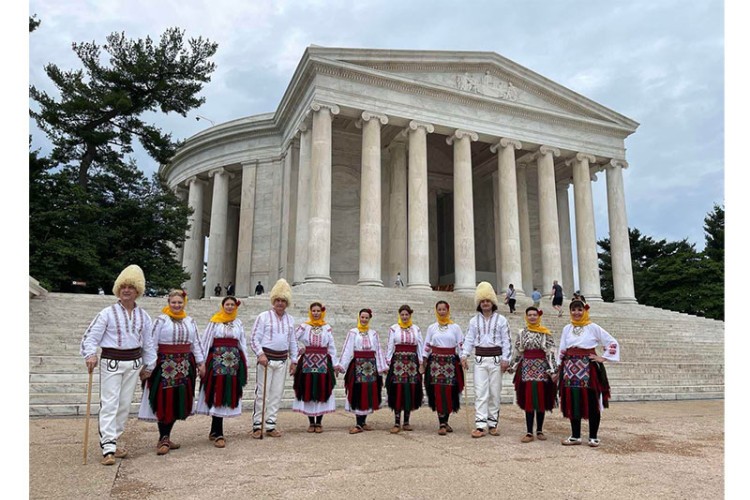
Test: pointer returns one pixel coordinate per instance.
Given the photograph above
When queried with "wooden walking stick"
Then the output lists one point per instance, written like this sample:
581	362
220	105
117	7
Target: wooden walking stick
88	414
263	412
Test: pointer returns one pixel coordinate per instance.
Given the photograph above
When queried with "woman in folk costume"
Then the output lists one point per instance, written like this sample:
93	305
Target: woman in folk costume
404	356
584	389
444	375
170	378
534	361
444	379
363	361
226	369
315	378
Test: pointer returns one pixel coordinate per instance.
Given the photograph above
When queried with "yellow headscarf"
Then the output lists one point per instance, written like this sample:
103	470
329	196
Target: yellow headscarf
537	326
223	317
444	320
404	325
180	315
316	322
584	319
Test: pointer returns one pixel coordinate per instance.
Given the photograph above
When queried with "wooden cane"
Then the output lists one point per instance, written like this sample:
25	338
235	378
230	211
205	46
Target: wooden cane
469	421
263	412
88	414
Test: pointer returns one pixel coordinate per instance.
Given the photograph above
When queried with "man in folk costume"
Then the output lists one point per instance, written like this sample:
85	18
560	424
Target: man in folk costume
488	337
123	332
273	342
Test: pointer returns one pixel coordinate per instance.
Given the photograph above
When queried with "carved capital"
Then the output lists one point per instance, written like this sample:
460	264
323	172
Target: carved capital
543	150
414	125
614	162
369	115
220	171
317	106
460	134
563	184
585	156
504	143
195	180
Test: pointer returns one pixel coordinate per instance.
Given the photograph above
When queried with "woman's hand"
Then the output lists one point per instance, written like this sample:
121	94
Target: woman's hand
145	374
292	368
202	370
594	357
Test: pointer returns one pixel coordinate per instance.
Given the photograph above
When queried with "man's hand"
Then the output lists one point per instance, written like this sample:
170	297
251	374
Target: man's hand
145	374
263	360
504	366
465	363
91	362
292	368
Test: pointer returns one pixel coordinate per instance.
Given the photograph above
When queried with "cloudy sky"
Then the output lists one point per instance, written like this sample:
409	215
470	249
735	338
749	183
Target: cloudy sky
659	63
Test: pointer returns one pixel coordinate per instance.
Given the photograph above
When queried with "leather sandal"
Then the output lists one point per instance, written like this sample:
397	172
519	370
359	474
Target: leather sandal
540	436
478	433
407	427
493	431
356	430
366	427
318	428
108	459
594	442
273	433
443	430
527	438
220	442
311	428
257	434
163	447
395	429
121	453
448	428
571	441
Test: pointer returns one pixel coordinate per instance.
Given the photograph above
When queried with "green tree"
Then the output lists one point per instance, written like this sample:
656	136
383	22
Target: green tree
713	225
672	274
98	114
33	23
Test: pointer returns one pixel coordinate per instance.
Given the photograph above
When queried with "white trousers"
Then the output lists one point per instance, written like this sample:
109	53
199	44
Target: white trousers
275	384
117	382
488	383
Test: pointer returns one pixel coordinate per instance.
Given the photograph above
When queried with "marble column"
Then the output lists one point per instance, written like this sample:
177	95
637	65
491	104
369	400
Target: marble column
179	250
419	239
192	258
588	261
244	286
370	213
510	234
524	230
319	236
619	239
398	254
433	227
230	250
496	229
303	204
463	211
217	235
286	180
566	242
548	226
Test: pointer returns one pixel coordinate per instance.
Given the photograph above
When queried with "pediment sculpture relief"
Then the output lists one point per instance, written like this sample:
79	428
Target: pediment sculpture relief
488	85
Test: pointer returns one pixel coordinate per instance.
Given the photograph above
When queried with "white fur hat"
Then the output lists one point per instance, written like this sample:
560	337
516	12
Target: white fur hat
131	275
282	290
485	292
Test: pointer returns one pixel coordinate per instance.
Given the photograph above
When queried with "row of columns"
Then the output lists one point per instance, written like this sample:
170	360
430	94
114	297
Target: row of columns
312	251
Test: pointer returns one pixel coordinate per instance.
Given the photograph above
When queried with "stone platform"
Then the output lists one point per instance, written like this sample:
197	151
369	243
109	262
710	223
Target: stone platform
665	355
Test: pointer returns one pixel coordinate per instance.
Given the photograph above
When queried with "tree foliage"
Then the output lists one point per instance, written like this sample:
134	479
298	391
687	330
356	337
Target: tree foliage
92	211
673	274
100	107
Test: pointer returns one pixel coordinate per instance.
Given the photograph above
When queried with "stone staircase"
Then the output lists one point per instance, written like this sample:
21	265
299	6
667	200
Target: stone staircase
665	355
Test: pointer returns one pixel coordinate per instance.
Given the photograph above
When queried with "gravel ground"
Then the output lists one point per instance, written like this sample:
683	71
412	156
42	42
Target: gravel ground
665	450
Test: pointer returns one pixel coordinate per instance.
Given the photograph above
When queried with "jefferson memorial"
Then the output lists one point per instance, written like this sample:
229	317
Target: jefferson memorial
446	167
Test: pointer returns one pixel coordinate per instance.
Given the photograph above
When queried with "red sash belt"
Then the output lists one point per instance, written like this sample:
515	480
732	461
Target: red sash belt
226	342
533	354
275	355
174	348
444	351
489	351
406	348
364	354
121	354
578	351
316	350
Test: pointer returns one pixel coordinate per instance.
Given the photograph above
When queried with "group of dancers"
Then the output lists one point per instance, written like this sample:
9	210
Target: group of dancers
168	355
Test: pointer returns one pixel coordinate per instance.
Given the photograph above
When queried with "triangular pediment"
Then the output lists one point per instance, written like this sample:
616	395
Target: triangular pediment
482	75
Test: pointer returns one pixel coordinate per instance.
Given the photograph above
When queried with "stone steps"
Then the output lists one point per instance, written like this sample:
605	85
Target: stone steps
666	355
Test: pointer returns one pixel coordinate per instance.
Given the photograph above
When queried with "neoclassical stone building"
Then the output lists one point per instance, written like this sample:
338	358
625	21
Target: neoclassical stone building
448	167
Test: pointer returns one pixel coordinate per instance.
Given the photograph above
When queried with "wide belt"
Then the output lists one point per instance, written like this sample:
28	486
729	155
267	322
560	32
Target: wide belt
316	350
406	348
275	355
174	348
443	351
489	351
533	354
121	354
226	342
579	351
364	354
